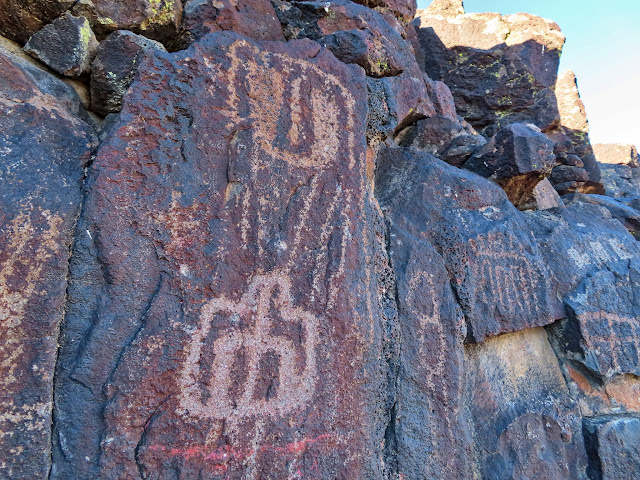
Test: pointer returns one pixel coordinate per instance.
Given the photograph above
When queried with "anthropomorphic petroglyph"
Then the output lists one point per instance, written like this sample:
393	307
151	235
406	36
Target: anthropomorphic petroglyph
249	334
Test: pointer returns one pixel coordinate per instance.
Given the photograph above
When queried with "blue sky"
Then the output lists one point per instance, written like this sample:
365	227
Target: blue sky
603	48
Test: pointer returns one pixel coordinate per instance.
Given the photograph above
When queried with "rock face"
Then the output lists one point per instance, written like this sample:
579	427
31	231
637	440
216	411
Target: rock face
237	276
572	142
617	154
67	45
114	68
308	240
253	18
19	19
517	158
501	69
44	147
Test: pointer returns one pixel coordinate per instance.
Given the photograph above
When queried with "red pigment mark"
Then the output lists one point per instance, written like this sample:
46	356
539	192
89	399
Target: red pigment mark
227	453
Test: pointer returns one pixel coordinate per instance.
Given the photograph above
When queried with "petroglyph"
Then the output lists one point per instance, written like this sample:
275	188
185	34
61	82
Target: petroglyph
600	250
276	106
249	336
506	271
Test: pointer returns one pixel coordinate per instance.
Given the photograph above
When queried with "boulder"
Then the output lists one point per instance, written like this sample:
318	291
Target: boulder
544	197
617	154
517	158
19	19
620	181
44	147
442	137
252	18
67	45
525	423
403	9
207	332
572	139
596	271
494	265
501	69
114	68
614	446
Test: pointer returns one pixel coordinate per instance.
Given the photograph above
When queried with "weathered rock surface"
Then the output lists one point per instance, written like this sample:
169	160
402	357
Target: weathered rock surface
67	45
442	137
404	9
544	197
517	158
207	334
596	270
524	420
44	147
615	447
501	69
252	18
572	140
617	154
628	216
114	68
494	265
620	181
19	19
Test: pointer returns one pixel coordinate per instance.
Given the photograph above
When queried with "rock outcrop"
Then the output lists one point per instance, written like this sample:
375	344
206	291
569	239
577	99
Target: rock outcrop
308	240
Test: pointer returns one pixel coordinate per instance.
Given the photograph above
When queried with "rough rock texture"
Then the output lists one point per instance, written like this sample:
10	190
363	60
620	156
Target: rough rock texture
494	265
44	147
67	45
615	448
253	18
517	158
617	154
596	271
572	140
442	137
114	68
501	69
525	423
227	360
263	272
19	19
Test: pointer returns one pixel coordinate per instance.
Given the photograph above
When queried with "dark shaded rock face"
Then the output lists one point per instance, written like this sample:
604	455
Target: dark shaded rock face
19	19
501	69
221	360
114	68
614	448
44	147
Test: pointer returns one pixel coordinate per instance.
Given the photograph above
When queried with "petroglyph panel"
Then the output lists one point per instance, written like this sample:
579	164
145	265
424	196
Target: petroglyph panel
239	182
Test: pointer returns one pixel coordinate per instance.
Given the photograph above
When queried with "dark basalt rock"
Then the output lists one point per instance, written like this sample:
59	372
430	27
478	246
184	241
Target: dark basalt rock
517	158
596	270
494	265
625	214
114	68
207	332
252	18
403	9
67	45
501	69
614	445
620	181
44	148
19	19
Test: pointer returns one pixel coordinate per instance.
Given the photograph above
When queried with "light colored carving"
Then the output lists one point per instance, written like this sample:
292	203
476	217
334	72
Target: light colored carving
266	294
